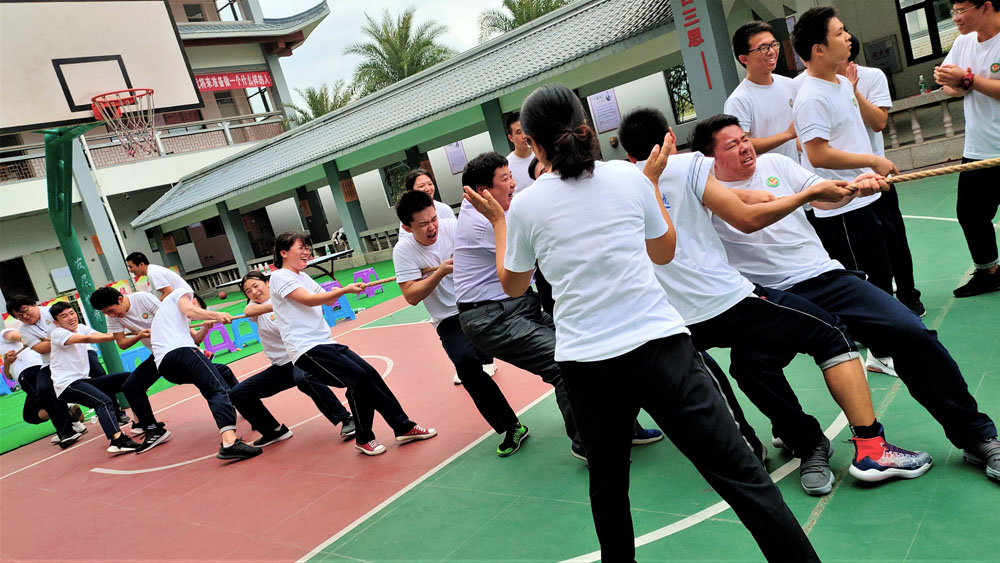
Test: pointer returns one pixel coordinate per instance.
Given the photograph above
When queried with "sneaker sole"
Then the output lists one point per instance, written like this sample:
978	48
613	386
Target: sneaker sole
874	475
517	446
405	439
157	442
348	435
980	462
117	450
369	452
644	441
578	456
237	457
257	443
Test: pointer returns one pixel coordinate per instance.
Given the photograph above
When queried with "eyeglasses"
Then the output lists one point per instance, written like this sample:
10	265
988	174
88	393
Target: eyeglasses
960	11
763	49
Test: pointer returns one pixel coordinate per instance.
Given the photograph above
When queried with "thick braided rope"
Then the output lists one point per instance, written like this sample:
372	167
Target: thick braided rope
423	271
969	166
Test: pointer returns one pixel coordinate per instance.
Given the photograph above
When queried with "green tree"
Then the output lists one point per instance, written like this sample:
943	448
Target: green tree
320	101
397	48
514	13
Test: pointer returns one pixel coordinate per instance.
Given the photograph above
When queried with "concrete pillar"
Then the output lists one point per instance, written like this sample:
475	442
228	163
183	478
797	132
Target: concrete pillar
255	13
167	258
236	232
103	236
312	215
280	92
706	49
495	125
348	206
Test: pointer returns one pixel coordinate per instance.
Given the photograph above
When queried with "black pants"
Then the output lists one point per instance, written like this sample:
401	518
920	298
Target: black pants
145	375
888	328
856	240
99	393
468	361
668	379
46	394
544	292
189	365
765	332
337	365
275	379
894	232
27	379
978	201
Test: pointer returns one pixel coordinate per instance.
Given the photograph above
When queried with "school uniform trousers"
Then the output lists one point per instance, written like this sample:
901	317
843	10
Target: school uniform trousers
189	365
275	379
98	393
145	375
32	402
977	205
856	239
56	407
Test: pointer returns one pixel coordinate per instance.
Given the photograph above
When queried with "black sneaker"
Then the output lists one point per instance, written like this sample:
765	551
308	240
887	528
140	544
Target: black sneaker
266	439
348	428
123	419
67	441
512	442
238	451
122	444
914	304
154	437
982	281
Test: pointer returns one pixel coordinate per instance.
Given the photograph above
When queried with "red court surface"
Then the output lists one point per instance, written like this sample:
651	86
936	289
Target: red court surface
178	502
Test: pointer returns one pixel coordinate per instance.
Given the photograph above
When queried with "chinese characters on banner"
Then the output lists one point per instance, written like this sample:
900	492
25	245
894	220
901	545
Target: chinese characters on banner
694	38
233	80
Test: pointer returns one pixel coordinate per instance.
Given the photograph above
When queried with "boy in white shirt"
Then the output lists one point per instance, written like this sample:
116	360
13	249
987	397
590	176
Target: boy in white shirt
519	160
22	364
70	367
431	244
972	70
163	280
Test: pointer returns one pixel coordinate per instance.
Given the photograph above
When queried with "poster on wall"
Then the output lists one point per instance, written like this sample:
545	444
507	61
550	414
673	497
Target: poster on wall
456	157
604	108
883	54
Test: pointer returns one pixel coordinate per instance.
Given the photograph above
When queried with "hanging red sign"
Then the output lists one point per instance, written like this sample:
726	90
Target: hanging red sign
233	80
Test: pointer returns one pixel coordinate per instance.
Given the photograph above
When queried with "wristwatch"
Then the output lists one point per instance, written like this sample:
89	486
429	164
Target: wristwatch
967	81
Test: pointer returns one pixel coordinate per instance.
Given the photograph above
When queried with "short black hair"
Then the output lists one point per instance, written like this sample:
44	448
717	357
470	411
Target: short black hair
137	258
410	204
15	303
104	297
251	275
479	171
641	130
741	39
703	137
979	3
412	175
284	241
811	29
855	48
58	307
200	301
511	120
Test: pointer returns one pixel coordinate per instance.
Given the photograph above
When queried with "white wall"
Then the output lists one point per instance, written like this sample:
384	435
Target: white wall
221	56
450	185
284	216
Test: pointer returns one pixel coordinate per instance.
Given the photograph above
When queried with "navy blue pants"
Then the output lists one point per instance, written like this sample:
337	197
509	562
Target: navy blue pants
144	376
275	379
56	407
98	393
888	328
189	365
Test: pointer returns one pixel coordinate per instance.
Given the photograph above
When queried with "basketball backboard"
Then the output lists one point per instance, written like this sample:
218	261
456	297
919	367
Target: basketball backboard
55	56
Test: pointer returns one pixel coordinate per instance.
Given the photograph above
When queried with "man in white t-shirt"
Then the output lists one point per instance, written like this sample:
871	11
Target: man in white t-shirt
763	101
431	245
972	70
789	256
163	280
830	127
519	160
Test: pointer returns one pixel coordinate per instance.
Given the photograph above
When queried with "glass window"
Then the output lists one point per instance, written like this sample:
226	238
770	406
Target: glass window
680	94
181	236
213	227
227	105
194	13
928	31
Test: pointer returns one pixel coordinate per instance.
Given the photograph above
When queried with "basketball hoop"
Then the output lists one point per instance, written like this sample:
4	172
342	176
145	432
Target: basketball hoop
129	113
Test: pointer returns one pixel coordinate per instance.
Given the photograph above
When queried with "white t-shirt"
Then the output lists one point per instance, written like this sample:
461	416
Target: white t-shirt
699	281
409	256
475	259
171	329
589	237
25	359
519	168
982	113
33	334
270	337
302	327
874	86
160	277
444	213
824	110
764	111
70	362
142	309
788	251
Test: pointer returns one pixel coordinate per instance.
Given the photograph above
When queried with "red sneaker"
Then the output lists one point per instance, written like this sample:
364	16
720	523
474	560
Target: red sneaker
370	448
416	433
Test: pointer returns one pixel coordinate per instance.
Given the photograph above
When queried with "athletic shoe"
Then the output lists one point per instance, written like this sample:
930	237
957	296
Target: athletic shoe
913	304
880	365
578	453
348	428
456	380
122	444
76	412
55	438
137	428
80	427
877	460
67	441
154	437
371	447
814	472
238	451
986	453
490	369
417	433
982	281
645	436
777	442
123	419
512	442
268	438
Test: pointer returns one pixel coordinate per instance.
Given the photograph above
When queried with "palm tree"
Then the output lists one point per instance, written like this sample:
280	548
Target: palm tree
397	49
320	101
514	13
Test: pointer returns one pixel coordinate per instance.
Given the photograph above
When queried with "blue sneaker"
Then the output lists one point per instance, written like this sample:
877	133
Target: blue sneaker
877	460
645	436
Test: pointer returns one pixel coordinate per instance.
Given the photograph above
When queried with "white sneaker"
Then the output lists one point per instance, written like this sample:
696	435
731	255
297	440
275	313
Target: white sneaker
778	442
880	365
490	369
80	427
456	380
55	439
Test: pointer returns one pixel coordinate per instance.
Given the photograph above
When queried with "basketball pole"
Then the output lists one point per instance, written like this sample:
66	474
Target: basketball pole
59	179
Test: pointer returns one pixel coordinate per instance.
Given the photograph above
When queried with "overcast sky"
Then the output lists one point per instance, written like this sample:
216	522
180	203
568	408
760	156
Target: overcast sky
320	59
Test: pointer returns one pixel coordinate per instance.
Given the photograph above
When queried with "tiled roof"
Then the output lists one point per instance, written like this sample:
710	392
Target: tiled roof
270	26
555	42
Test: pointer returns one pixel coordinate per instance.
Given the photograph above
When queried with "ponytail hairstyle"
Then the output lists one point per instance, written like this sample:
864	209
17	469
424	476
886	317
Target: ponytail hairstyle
285	242
251	275
554	119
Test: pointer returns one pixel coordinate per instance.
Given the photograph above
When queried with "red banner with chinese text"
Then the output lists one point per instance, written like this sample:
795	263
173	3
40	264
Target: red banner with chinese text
233	80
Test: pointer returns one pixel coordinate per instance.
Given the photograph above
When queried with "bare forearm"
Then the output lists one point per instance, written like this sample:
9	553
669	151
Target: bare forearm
416	291
125	342
874	117
500	238
988	86
835	159
256	310
765	144
93	338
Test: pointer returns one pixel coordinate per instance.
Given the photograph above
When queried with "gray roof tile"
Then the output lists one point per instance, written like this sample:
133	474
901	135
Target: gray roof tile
270	26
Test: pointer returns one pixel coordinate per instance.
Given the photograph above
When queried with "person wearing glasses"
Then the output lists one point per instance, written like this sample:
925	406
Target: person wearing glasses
763	101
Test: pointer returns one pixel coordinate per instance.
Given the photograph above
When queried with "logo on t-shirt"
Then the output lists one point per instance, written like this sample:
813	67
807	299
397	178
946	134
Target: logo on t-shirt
854	101
145	315
273	318
790	102
995	67
666	204
773	182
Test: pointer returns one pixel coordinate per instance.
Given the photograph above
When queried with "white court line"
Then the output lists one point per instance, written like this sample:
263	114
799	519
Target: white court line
831	432
413	484
949	219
